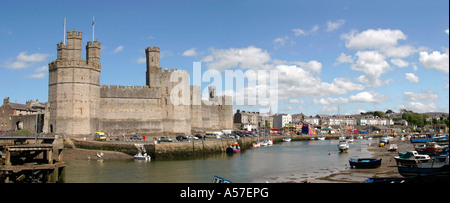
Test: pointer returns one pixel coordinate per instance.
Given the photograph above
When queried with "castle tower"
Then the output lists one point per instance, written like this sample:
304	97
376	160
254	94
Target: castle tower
74	88
153	68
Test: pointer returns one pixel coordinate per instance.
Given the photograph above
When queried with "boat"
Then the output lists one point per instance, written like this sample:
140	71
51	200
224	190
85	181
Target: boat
343	145
364	163
432	138
431	148
369	138
350	139
218	179
321	138
411	158
233	148
408	171
269	142
286	139
255	145
393	148
140	156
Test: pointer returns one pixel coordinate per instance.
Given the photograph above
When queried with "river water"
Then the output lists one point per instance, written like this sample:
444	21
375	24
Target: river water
288	161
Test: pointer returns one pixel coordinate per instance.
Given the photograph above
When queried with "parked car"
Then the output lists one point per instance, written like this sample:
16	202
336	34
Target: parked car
192	137
136	137
164	139
181	137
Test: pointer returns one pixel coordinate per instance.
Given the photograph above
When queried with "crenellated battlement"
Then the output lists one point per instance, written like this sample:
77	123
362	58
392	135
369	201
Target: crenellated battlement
72	64
74	34
152	49
129	91
94	44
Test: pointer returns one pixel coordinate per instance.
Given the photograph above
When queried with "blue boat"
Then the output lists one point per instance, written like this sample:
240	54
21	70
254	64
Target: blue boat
365	163
233	148
433	138
218	179
442	172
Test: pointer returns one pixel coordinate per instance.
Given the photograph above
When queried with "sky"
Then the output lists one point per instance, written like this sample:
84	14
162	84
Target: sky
329	56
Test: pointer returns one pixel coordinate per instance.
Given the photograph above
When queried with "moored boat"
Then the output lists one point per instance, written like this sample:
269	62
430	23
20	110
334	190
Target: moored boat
234	148
286	139
393	148
411	158
140	156
343	146
365	163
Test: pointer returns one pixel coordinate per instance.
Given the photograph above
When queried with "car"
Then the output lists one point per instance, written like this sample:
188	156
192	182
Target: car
99	136
136	137
164	139
181	137
192	137
199	136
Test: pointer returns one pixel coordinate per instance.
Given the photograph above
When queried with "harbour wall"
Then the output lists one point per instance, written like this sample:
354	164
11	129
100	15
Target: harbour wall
185	149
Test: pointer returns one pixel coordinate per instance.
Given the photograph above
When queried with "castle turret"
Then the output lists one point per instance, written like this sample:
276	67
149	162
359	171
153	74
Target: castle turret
93	50
153	68
74	88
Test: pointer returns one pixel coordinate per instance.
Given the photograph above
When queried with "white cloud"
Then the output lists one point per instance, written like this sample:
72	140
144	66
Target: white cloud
328	109
329	100
37	75
399	63
280	41
411	77
118	49
190	52
435	60
244	58
419	107
300	32
369	97
295	101
446	31
373	65
343	58
373	39
334	25
26	61
426	95
398	51
141	60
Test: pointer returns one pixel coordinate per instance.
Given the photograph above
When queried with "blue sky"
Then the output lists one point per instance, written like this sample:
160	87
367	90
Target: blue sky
358	55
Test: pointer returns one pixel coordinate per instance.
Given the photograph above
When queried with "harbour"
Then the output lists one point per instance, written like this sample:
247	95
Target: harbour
296	161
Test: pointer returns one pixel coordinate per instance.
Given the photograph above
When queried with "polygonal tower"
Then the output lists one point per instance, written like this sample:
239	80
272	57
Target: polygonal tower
153	68
74	88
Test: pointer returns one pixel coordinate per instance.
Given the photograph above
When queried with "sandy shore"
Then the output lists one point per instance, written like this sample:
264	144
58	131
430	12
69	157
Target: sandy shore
85	154
387	169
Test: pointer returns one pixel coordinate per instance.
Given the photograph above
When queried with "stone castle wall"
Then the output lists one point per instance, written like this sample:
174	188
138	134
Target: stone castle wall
79	106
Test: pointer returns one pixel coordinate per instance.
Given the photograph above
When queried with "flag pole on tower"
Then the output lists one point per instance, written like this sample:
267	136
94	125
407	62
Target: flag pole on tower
93	25
64	40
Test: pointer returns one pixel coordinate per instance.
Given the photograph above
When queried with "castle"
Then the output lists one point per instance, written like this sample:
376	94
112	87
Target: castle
79	106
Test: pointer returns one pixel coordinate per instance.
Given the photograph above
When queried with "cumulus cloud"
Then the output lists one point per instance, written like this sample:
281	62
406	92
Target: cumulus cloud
411	77
243	58
25	61
426	95
373	39
369	97
373	65
399	63
435	60
343	58
190	52
419	107
301	32
334	25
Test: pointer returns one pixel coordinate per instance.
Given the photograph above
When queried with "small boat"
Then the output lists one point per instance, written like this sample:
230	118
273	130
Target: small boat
393	148
218	179
411	158
286	139
233	148
365	163
255	145
269	142
321	138
343	145
369	138
408	171
350	139
311	138
140	156
431	148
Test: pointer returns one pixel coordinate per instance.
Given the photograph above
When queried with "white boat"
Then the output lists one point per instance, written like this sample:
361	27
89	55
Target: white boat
350	140
343	145
263	143
311	138
144	156
321	138
411	158
269	142
286	139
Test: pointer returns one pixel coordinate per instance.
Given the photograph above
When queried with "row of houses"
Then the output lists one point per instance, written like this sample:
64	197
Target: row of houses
256	120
